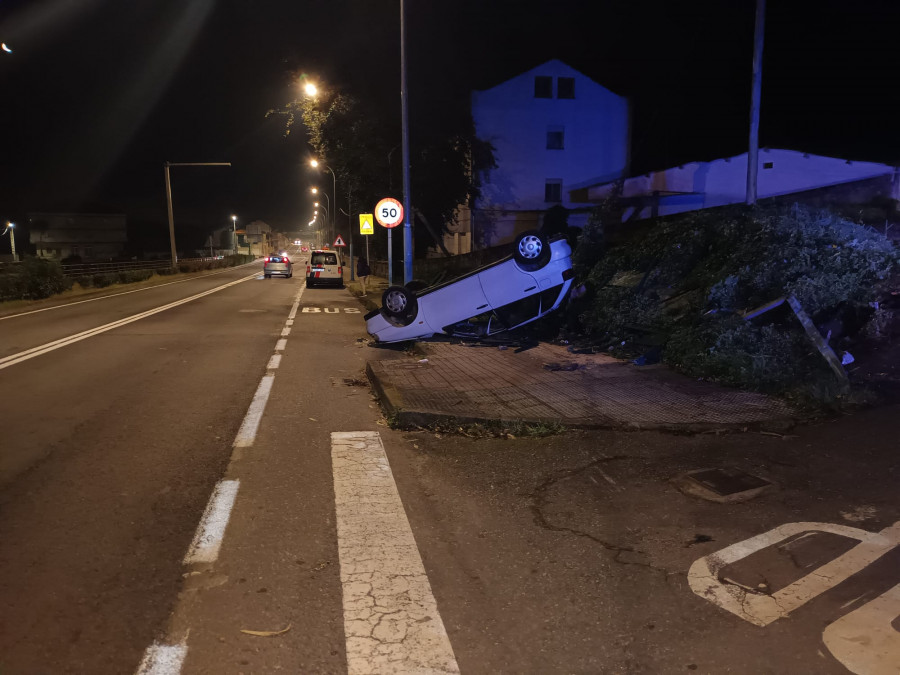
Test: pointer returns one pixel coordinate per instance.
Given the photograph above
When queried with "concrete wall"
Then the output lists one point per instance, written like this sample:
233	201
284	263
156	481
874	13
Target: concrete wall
700	185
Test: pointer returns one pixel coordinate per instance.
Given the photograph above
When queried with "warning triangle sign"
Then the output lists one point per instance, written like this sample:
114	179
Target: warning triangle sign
339	241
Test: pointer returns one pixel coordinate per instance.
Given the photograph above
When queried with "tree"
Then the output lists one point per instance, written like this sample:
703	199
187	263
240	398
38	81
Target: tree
362	146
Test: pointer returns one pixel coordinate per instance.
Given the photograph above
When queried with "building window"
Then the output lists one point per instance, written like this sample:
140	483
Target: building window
543	87
556	138
768	165
565	87
553	190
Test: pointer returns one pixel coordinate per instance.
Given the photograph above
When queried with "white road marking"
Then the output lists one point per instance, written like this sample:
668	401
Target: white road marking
391	620
280	345
289	322
13	359
274	362
285	331
113	295
864	640
760	609
247	433
162	659
211	530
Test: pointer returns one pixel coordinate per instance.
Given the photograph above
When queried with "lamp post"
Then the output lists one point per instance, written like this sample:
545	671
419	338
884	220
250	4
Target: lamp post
11	228
317	192
234	235
315	163
169	200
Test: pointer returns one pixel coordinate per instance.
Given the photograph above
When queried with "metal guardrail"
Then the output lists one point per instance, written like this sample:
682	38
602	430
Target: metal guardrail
81	269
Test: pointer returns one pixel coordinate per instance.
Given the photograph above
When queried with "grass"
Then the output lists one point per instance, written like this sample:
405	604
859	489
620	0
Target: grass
490	429
77	292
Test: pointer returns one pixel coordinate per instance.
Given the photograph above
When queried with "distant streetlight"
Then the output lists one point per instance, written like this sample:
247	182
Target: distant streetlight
234	235
310	89
11	228
315	163
169	199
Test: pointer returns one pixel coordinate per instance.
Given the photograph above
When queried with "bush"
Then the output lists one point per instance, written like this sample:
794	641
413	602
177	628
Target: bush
691	276
33	279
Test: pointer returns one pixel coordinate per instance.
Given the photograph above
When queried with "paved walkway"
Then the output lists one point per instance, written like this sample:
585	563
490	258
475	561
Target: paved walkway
549	384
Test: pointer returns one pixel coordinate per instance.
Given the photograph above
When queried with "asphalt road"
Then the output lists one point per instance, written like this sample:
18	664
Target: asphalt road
569	554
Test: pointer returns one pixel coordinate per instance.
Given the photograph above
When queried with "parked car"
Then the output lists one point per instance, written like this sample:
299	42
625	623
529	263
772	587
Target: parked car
324	269
279	264
506	294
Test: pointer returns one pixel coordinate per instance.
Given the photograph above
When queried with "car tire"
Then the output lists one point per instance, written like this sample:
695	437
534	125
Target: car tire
532	250
267	276
400	304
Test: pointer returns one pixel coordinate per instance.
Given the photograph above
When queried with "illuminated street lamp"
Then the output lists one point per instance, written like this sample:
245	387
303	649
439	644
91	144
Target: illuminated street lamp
315	163
234	235
310	89
11	228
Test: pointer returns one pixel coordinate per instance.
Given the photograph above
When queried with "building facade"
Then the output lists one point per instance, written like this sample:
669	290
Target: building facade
78	236
553	130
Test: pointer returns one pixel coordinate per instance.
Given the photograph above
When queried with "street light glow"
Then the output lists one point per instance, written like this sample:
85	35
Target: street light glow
310	89
314	163
315	190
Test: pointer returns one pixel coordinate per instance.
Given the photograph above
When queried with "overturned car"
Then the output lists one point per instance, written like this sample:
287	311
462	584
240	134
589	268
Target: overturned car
509	293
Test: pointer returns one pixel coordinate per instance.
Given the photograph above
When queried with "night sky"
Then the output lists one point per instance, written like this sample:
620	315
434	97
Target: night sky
98	94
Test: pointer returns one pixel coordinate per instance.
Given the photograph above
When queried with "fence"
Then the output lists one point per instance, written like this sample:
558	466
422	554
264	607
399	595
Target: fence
84	269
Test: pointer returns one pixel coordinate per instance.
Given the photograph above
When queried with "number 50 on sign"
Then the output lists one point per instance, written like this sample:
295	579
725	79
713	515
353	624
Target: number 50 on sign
389	212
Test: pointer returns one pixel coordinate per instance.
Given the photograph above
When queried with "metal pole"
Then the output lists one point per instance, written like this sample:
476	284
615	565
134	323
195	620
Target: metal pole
755	96
390	259
350	230
169	197
12	241
407	201
171	216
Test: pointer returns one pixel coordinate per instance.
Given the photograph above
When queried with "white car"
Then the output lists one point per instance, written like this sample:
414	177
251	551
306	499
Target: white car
506	294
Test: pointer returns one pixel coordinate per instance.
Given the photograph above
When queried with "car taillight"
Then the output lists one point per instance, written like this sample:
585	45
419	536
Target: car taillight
340	271
568	274
286	259
267	259
307	269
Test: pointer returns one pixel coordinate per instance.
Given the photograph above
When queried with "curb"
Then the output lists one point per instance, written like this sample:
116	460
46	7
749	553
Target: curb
394	407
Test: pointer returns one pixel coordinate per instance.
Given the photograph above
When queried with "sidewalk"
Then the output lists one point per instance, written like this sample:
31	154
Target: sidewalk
548	384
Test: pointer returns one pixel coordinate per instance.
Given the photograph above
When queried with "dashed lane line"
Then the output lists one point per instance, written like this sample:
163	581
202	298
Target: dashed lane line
391	620
13	359
211	531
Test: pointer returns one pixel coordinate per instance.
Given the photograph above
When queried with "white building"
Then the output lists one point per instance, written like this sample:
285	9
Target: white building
553	129
702	185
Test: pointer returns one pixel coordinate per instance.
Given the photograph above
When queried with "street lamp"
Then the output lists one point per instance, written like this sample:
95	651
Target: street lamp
315	163
234	235
310	89
11	228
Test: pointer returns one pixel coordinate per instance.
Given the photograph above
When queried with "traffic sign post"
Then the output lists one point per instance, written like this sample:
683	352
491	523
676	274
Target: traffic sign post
389	214
366	228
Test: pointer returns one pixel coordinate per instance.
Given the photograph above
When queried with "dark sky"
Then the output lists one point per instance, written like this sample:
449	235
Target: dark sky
98	94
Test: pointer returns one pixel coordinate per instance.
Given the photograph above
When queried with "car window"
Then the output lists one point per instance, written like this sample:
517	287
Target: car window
324	259
275	258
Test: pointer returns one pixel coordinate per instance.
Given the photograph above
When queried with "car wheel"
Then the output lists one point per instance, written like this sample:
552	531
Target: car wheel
532	250
400	304
267	276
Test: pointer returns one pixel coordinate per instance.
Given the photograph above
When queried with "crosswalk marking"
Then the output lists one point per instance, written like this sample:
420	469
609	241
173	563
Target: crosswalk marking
391	620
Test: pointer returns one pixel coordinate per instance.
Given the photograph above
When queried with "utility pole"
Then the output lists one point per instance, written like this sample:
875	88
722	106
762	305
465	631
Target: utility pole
169	200
407	201
755	96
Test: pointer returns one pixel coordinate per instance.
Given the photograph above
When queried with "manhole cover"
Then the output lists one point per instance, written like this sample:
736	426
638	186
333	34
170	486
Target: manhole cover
722	485
726	482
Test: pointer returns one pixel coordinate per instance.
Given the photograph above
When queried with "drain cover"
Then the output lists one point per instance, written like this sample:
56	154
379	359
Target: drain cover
722	485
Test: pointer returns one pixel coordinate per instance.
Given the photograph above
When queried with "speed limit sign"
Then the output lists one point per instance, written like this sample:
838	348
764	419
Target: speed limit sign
389	212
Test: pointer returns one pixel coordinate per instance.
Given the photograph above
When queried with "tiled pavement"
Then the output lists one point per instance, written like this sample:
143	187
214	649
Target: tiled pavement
549	384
